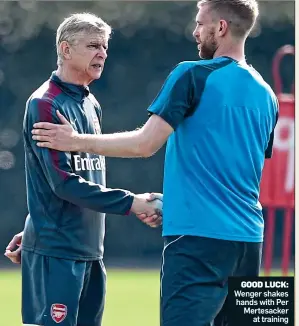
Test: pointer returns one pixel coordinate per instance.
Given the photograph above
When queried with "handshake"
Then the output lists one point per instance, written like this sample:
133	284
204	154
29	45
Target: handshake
148	208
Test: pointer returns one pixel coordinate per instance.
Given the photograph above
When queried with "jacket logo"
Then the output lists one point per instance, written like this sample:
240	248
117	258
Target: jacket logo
90	164
58	312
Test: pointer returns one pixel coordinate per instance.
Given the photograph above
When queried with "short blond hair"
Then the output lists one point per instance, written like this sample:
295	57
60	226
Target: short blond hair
75	24
240	14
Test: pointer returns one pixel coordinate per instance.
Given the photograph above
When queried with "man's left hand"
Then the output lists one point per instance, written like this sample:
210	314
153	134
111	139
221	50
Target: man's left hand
13	253
55	136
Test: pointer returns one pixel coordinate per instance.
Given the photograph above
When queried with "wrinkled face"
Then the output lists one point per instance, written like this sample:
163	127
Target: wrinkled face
88	55
204	33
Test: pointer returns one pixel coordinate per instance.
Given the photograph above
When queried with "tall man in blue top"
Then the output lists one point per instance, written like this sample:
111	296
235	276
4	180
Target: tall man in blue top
218	117
63	276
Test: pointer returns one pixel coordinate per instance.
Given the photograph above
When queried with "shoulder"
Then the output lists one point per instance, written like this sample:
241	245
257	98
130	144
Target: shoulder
201	67
181	73
47	93
43	103
267	89
183	68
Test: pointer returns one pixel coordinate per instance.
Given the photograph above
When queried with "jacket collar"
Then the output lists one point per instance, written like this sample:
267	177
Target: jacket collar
77	92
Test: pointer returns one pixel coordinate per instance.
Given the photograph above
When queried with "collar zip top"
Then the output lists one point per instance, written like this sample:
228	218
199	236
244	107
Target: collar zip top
77	92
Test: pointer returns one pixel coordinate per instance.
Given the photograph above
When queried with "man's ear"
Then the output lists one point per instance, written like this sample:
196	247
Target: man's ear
222	27
65	50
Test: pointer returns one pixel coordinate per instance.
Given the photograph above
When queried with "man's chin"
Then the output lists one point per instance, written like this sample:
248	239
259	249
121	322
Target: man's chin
205	56
97	75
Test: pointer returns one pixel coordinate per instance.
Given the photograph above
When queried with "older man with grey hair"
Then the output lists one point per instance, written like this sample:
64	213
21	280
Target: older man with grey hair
63	275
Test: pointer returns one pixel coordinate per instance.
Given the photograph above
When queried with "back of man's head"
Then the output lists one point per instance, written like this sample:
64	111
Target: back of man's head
240	15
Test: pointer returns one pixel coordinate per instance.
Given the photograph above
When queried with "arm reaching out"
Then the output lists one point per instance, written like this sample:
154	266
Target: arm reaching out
175	102
142	142
147	211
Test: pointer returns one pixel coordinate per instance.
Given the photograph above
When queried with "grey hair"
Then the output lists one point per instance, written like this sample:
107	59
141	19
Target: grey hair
76	24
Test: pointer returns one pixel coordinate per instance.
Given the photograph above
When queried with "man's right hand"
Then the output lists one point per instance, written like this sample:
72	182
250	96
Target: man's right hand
13	250
149	212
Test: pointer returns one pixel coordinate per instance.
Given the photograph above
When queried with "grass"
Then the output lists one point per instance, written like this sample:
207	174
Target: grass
132	298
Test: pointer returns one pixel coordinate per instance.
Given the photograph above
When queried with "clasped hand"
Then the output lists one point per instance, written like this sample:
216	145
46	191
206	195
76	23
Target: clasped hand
148	208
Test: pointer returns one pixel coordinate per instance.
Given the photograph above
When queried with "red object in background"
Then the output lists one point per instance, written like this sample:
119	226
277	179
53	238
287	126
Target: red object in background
278	180
277	186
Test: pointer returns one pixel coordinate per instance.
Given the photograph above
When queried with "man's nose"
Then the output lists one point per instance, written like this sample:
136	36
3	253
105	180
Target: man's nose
195	33
102	53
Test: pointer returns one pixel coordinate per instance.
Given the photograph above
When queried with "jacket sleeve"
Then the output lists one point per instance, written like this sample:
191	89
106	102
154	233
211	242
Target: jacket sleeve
58	171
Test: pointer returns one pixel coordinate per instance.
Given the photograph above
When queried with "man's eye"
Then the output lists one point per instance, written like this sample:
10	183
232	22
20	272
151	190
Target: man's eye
97	46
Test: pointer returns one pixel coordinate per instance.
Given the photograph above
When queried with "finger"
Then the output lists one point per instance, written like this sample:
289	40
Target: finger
158	212
14	256
15	240
155	224
44	125
158	221
155	195
141	216
41	138
11	245
16	260
45	144
151	197
9	255
16	253
62	118
43	132
150	219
